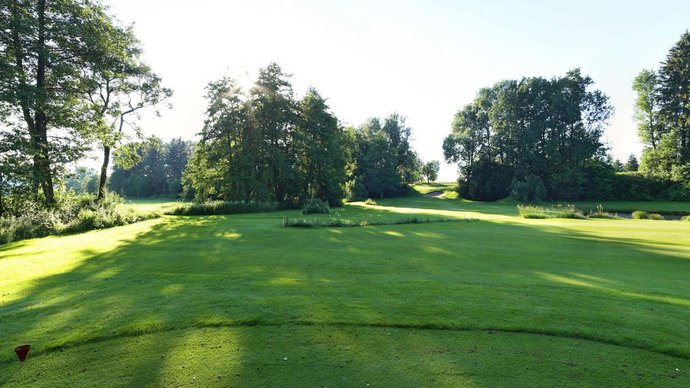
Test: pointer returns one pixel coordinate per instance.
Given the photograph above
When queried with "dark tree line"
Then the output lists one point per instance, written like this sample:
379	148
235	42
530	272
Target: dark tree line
265	145
150	168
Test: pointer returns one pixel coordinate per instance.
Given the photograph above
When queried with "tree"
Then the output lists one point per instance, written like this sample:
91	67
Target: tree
118	86
430	170
533	131
647	108
666	99
83	180
632	164
383	162
321	154
263	145
45	48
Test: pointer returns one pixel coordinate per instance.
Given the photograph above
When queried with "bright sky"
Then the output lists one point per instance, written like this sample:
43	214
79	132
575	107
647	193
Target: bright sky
423	59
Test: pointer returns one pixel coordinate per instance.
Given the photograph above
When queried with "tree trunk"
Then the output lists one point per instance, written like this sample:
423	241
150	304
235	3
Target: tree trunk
104	173
2	205
41	119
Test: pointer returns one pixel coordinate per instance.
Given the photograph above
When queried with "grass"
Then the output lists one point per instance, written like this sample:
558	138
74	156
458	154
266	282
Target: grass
238	300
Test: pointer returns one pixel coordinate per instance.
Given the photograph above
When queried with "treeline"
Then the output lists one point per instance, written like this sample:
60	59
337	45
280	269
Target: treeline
540	139
266	145
150	168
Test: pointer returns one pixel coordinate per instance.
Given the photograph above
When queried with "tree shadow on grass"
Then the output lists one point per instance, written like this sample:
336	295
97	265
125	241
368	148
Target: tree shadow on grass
247	271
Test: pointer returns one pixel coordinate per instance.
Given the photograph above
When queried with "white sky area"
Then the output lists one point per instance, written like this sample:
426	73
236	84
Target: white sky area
423	59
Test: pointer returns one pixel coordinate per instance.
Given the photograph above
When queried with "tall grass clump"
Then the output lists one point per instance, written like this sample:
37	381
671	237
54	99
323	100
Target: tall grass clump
541	212
221	207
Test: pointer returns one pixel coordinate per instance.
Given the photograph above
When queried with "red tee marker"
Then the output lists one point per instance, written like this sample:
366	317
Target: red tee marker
22	352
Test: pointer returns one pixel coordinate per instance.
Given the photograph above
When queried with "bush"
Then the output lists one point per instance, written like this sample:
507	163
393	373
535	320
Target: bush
73	213
316	206
370	202
640	215
221	207
678	192
643	215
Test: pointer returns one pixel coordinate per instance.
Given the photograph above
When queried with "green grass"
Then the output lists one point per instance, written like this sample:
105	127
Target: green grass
146	205
223	300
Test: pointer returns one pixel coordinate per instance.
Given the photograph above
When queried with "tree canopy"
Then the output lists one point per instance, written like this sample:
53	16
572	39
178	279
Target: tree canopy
543	133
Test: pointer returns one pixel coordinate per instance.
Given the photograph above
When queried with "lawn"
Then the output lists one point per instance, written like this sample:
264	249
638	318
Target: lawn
242	301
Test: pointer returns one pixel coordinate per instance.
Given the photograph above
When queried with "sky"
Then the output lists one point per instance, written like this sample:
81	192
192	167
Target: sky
423	59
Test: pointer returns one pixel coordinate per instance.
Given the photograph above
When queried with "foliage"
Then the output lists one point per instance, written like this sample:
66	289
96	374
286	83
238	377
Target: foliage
663	115
550	129
262	145
83	180
315	206
643	215
383	162
558	211
49	54
150	168
73	214
430	170
632	165
341	223
370	202
221	208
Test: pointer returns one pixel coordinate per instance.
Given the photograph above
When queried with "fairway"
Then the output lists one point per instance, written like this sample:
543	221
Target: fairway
490	300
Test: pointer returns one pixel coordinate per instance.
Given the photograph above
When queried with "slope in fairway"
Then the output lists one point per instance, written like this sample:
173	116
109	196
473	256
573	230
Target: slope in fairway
487	302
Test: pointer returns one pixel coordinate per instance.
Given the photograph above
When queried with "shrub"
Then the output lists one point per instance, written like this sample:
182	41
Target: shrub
371	202
221	207
640	215
73	213
600	213
316	206
643	215
678	192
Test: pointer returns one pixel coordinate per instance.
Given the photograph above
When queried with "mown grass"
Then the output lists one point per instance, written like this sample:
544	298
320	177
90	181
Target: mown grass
500	301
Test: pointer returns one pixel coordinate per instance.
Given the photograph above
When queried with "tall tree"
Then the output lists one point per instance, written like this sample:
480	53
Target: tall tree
668	95
321	157
647	108
118	86
45	45
632	164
